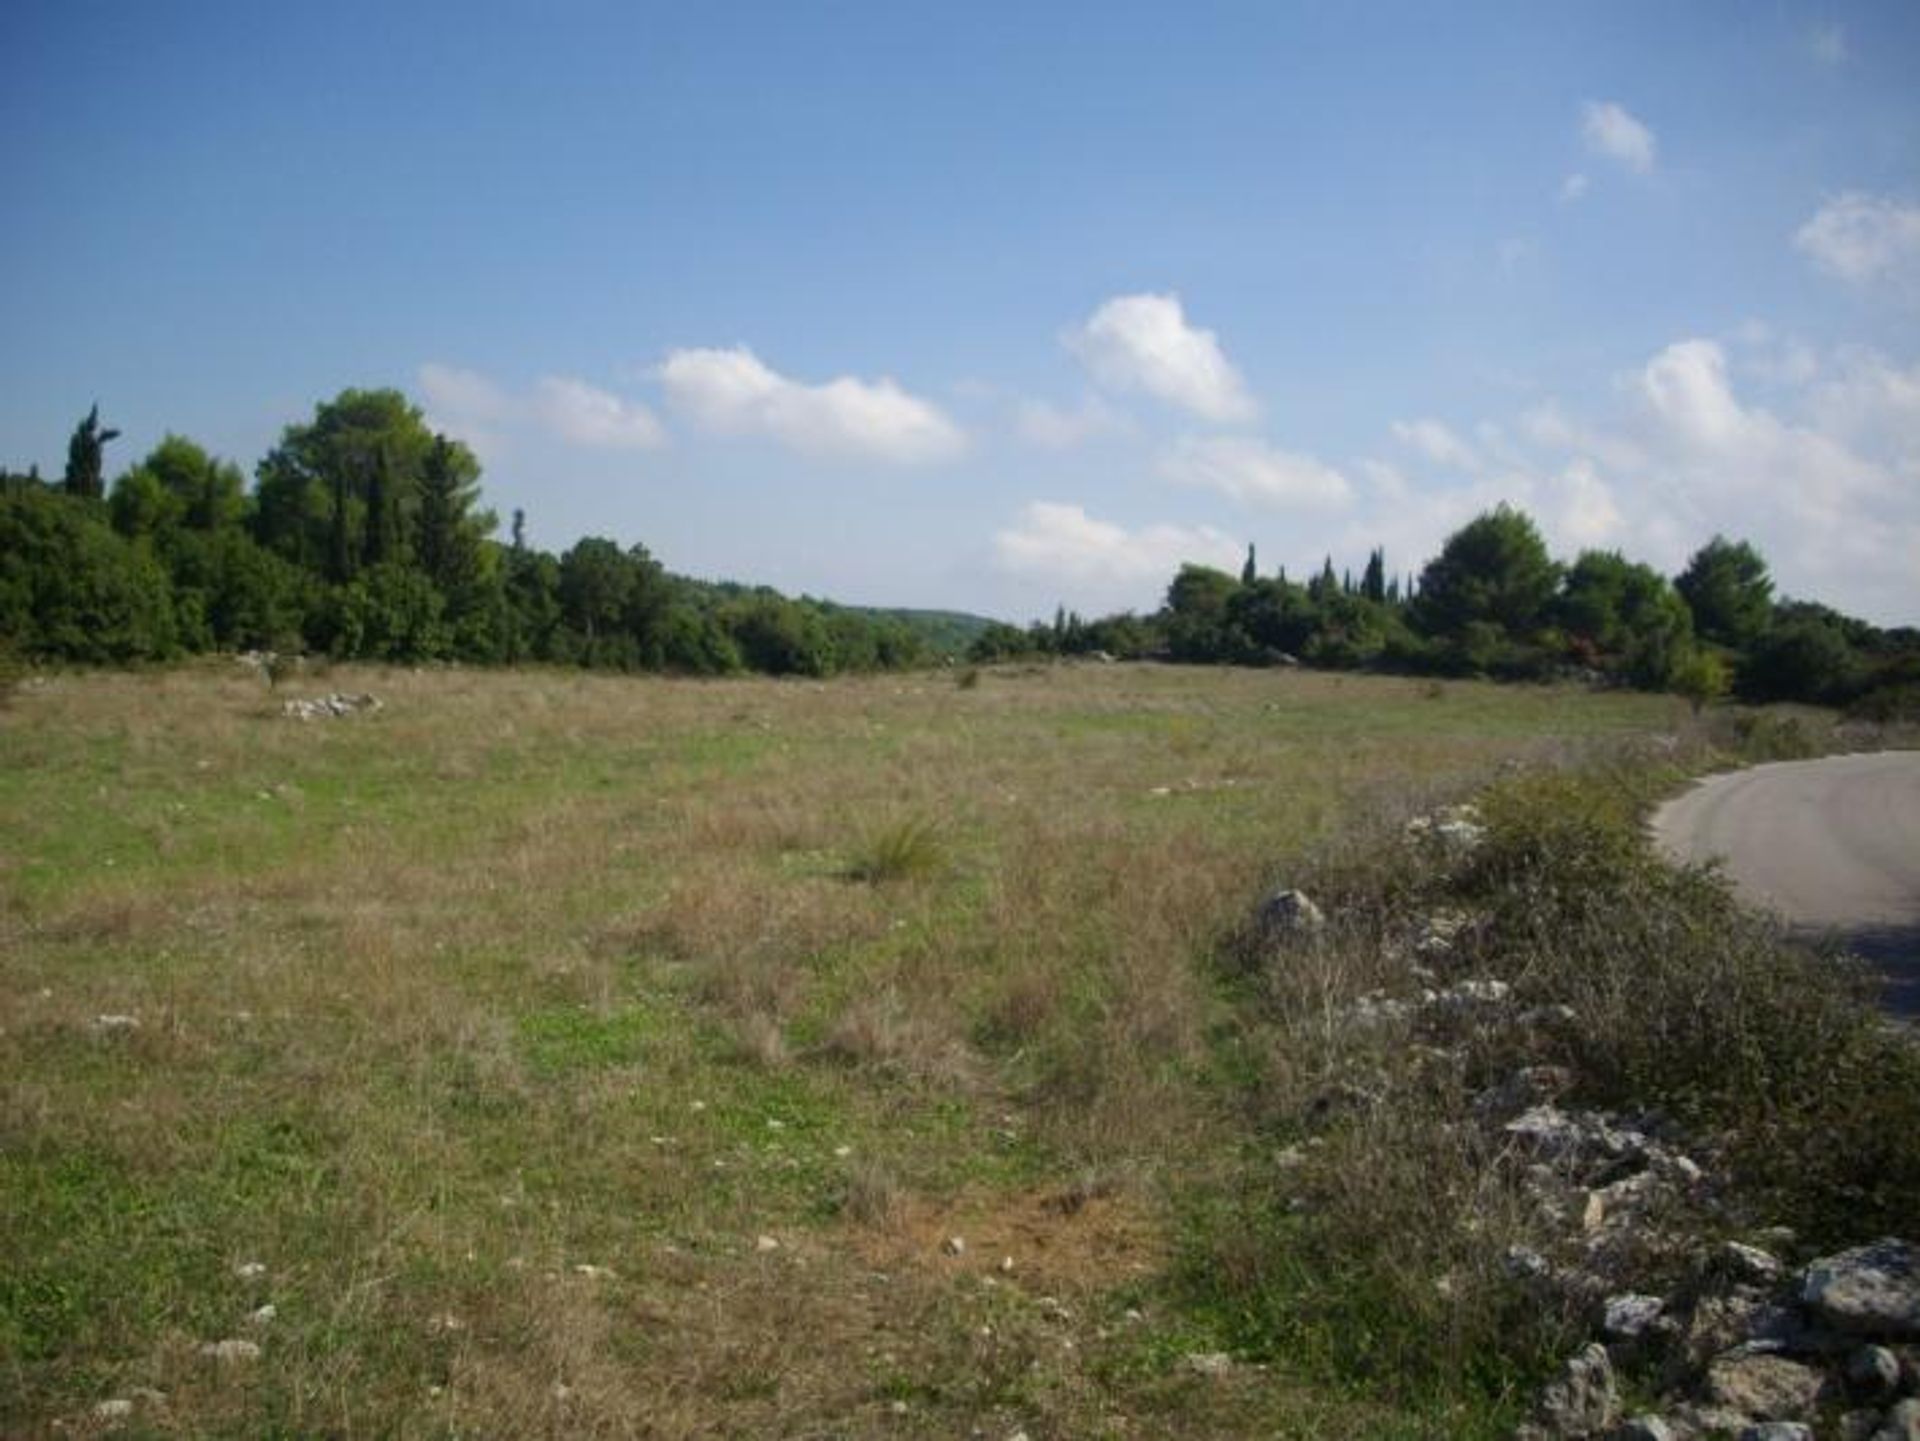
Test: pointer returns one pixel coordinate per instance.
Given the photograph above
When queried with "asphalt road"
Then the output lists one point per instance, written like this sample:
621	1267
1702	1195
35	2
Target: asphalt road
1832	845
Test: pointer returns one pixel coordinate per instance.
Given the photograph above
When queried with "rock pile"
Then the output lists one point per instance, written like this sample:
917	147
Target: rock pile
338	704
1754	1350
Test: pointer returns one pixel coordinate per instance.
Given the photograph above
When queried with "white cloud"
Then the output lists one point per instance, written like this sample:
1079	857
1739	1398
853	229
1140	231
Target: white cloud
1144	343
1826	482
462	392
497	421
1059	542
1612	132
1865	239
585	415
1251	471
1828	44
468	406
1574	187
1872	404
1433	440
733	391
1584	513
1053	428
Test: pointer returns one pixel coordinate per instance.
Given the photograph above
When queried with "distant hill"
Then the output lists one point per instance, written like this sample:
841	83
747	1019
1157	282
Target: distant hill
950	632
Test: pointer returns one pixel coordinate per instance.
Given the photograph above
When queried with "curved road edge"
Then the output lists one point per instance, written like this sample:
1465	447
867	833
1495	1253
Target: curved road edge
1830	845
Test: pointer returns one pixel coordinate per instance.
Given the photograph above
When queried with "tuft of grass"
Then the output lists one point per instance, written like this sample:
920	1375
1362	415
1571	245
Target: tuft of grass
905	850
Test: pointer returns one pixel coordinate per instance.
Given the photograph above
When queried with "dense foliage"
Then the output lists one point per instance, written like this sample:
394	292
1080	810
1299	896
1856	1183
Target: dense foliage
363	537
1495	603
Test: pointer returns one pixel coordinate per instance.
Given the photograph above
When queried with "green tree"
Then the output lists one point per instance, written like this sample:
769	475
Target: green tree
311	501
1493	571
1373	584
1626	618
1803	657
71	588
1197	621
594	586
86	474
1727	588
450	529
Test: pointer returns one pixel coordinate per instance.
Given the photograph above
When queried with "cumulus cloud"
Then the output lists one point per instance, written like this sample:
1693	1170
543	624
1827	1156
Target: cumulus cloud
1433	440
1052	541
1865	240
1611	131
1574	187
1144	343
585	415
1052	427
732	391
1252	472
465	393
496	421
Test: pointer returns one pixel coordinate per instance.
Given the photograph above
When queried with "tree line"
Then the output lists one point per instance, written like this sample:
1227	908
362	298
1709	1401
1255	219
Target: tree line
363	537
1495	603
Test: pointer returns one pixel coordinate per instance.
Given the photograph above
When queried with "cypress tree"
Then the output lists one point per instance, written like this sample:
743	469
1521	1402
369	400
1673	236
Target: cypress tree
1249	572
85	475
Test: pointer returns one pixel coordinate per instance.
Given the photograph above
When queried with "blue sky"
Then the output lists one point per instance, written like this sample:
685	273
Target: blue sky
996	306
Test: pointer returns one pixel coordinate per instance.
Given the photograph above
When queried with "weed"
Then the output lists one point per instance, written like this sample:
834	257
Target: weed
905	850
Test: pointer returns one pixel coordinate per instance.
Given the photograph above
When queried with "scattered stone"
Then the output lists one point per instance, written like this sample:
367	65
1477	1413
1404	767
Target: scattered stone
1776	1431
1473	994
329	706
1289	913
263	1315
249	1270
1208	1363
1452	828
1698	1420
1872	1290
954	1246
1873	1373
1748	1263
1769	1388
112	1022
765	1244
1628	1315
1527	1087
1440	931
1584	1398
114	1408
594	1273
1642	1428
231	1352
1902	1423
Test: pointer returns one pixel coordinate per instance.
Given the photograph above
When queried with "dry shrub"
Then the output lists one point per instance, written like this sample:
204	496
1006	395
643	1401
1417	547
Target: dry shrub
916	1038
872	1195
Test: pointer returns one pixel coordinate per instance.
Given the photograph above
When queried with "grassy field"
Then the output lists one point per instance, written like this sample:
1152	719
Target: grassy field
585	1056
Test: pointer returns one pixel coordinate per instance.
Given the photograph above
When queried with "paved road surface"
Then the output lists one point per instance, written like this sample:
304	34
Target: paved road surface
1832	845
